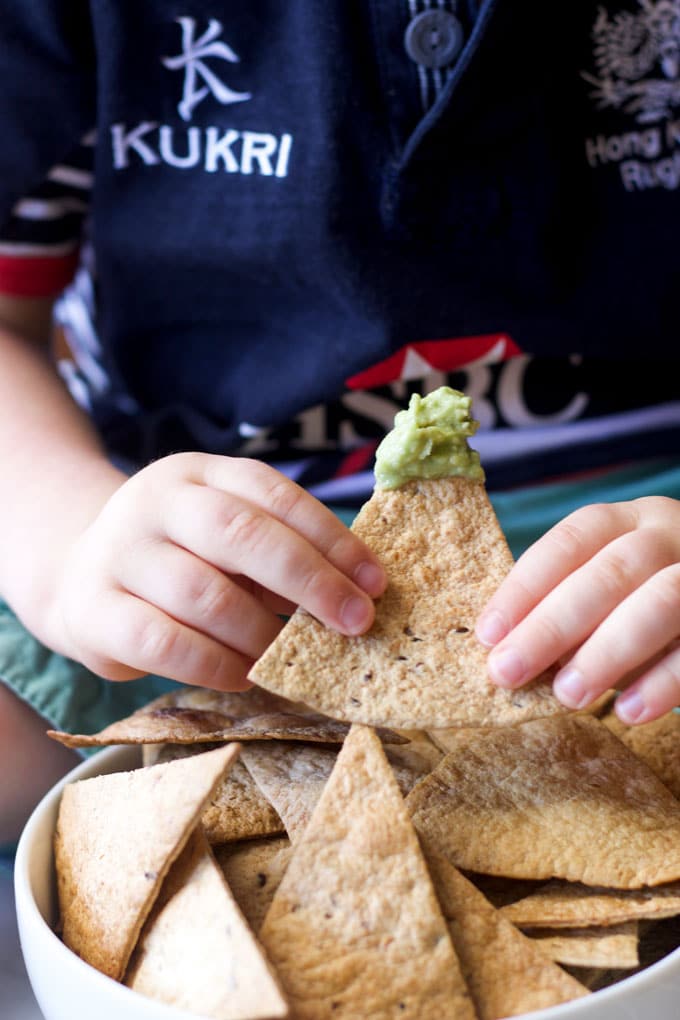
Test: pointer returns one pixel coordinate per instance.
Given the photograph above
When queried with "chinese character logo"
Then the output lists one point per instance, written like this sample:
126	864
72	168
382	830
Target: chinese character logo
630	51
199	79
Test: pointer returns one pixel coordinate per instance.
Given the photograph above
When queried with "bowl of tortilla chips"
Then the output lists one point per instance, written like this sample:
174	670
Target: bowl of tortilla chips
63	984
342	900
373	830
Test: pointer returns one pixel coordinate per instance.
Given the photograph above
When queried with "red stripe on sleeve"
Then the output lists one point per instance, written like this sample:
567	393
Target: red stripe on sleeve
36	276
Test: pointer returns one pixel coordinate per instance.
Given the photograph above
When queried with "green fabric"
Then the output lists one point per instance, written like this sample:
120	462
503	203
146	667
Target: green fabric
526	514
66	694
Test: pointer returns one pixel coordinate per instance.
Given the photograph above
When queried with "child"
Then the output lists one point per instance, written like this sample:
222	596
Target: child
269	224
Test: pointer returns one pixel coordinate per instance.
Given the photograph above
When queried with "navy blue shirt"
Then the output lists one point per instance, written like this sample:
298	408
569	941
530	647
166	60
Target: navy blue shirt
289	216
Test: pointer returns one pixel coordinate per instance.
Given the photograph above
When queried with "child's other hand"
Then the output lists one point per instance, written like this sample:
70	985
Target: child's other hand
186	569
600	594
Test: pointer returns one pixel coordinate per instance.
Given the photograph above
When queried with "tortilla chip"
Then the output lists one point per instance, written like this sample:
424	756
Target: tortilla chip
196	715
561	905
292	778
253	871
448	739
615	946
237	810
552	798
657	743
420	665
506	974
115	840
196	951
421	754
355	929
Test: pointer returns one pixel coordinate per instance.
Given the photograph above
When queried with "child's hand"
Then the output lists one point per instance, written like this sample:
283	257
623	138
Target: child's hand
600	594
186	568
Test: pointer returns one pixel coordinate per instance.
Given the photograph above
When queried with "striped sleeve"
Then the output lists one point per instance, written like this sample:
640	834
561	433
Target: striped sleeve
40	240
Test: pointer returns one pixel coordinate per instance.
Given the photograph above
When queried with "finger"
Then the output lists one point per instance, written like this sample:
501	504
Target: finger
635	632
198	595
577	606
270	600
238	537
656	692
126	631
551	559
290	504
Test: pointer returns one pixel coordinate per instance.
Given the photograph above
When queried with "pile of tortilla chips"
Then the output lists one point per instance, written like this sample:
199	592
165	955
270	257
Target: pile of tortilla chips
442	849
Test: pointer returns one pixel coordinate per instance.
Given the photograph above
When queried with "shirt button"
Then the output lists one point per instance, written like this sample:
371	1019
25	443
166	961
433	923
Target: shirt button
434	38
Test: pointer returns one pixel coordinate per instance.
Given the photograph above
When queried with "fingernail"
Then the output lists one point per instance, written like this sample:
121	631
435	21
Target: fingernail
370	577
491	628
507	668
355	615
630	706
570	689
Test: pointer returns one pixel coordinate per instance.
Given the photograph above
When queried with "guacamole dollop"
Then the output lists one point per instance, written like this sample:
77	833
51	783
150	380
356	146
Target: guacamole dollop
429	440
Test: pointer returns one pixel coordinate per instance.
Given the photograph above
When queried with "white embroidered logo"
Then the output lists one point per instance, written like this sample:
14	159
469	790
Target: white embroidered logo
637	58
629	49
217	148
192	59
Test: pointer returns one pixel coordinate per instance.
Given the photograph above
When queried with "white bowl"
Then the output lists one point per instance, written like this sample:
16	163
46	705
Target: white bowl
67	988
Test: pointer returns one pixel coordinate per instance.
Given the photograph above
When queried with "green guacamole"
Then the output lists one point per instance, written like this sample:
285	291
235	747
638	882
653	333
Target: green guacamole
429	440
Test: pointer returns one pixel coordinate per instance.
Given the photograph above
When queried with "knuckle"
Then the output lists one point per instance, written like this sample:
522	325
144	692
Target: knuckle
283	497
186	462
666	586
217	669
244	529
214	598
614	573
256	471
655	506
568	536
318	593
345	547
664	679
156	641
549	631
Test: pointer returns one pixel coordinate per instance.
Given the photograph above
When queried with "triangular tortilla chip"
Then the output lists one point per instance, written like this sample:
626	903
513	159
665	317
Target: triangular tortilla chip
236	810
657	743
420	665
115	839
506	974
552	798
421	753
355	929
253	871
615	946
571	905
193	715
196	951
292	777
449	739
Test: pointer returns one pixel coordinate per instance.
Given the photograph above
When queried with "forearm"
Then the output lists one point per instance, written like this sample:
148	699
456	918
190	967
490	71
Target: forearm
55	478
